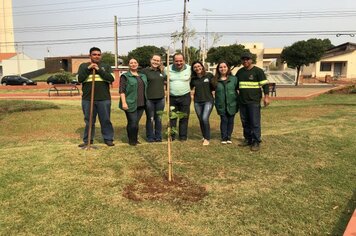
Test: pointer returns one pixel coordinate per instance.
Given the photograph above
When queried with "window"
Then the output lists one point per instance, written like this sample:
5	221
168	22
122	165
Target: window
325	66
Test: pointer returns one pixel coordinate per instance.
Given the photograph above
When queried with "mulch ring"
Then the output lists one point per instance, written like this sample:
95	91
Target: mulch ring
351	89
147	187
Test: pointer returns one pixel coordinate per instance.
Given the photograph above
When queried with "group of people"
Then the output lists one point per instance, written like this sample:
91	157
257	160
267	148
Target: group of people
144	90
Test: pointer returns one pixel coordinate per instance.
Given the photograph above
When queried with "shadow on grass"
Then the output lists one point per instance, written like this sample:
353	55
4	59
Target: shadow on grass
345	216
11	106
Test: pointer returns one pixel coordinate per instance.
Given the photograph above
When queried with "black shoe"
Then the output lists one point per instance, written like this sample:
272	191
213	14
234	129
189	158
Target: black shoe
245	143
84	144
109	143
132	143
255	147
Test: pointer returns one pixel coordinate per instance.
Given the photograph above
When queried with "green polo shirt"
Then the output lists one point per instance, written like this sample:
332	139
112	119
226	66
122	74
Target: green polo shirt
155	83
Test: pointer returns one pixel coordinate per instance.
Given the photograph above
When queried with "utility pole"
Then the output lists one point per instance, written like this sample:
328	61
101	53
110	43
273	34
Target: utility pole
18	60
206	41
138	24
116	42
184	28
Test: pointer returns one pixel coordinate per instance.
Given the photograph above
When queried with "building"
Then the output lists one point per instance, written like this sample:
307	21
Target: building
337	62
4	56
18	64
70	63
7	44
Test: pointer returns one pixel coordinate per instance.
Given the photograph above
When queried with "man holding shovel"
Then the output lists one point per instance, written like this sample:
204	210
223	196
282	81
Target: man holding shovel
99	74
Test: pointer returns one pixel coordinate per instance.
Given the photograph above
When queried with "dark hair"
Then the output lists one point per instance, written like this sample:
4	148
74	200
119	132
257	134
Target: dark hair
217	72
130	58
156	54
94	49
177	54
193	73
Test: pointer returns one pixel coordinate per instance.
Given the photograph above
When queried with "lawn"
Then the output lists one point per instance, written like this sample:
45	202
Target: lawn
302	182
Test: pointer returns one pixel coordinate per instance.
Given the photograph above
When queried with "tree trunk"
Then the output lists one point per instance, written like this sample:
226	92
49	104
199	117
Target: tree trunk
297	79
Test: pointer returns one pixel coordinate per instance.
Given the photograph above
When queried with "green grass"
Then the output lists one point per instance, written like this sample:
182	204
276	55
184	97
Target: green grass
302	182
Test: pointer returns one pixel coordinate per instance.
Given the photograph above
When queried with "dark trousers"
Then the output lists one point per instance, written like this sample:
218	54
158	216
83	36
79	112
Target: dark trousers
103	110
133	120
203	110
182	104
153	121
250	115
226	126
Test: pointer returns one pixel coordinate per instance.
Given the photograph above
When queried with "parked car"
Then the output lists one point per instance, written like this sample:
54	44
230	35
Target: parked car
16	80
53	79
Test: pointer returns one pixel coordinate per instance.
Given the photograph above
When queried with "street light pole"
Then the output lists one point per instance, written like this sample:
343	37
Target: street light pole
184	28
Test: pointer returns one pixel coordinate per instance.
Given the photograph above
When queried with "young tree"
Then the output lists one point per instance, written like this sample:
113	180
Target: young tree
302	53
231	54
143	54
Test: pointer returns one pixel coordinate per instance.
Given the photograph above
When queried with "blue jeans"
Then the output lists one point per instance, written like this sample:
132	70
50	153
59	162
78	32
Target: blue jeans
203	110
103	110
226	126
250	115
133	120
153	121
182	104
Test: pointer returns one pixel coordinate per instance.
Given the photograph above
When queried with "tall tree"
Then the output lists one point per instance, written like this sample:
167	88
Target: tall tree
302	53
231	54
108	58
143	54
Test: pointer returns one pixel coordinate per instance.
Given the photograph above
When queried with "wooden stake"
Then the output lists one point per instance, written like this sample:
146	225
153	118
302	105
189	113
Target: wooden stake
170	164
91	109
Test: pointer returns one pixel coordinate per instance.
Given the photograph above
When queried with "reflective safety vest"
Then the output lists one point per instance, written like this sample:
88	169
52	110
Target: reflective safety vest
97	78
252	84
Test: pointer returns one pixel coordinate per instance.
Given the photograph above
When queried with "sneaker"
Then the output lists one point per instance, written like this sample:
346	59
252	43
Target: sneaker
109	143
206	142
229	142
223	142
255	147
245	143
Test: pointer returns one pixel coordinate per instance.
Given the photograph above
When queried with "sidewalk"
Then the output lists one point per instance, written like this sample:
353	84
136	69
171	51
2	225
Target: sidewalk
291	92
284	92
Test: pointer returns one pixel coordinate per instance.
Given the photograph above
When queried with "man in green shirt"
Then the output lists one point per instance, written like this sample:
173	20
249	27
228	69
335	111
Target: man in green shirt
102	97
251	80
179	93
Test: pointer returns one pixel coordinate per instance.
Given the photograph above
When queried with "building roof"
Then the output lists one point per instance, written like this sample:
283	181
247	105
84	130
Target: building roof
4	56
340	49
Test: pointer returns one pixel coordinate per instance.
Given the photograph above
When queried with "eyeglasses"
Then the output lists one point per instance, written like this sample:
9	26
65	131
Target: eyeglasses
96	54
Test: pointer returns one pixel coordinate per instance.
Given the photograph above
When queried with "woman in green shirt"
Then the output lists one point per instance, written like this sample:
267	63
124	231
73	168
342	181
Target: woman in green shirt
225	100
132	92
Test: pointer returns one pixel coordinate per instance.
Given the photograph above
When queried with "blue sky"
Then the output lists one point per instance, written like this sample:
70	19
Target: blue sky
71	27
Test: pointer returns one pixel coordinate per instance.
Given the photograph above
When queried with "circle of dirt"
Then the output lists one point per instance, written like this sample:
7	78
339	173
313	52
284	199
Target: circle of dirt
159	188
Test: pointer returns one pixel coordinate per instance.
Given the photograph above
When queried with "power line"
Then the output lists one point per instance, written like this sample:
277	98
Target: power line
278	15
87	8
168	35
155	19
